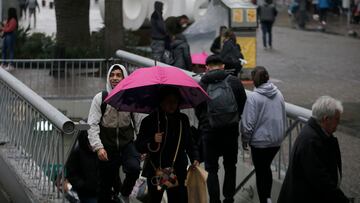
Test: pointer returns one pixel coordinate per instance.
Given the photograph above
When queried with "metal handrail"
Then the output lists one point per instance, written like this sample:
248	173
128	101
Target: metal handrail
50	112
62	78
33	133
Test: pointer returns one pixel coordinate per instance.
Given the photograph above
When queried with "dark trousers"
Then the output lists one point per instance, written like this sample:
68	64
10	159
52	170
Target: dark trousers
262	158
158	49
322	14
175	195
266	27
129	158
221	142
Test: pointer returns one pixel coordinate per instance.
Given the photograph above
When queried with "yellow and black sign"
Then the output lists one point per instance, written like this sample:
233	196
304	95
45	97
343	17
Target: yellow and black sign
248	49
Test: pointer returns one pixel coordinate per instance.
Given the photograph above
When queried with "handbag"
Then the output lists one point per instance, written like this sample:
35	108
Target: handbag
165	177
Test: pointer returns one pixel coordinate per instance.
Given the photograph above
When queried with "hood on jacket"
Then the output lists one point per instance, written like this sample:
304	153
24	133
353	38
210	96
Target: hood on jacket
123	70
214	76
267	89
158	6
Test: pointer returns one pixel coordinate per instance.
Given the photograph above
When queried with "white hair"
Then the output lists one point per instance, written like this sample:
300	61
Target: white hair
326	106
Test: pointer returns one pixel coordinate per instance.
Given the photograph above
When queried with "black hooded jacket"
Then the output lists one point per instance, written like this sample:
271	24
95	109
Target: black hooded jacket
213	77
170	125
158	30
82	168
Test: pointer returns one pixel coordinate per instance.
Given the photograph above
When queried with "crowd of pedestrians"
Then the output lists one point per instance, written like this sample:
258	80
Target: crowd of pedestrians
166	138
31	6
302	11
167	142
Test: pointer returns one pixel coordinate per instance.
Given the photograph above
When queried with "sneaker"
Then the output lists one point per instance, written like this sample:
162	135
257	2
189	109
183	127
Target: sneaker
9	68
124	199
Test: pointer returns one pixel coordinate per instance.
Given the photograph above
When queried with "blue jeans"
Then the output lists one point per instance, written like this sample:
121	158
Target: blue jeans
8	45
266	28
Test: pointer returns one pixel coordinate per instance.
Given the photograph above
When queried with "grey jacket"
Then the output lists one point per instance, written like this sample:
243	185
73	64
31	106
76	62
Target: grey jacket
111	118
267	12
264	117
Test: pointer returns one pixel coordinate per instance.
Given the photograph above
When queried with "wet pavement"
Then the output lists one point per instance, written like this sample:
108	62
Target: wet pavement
336	24
306	64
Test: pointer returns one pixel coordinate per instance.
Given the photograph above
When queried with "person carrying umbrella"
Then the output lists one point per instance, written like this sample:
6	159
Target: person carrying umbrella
165	136
111	136
165	133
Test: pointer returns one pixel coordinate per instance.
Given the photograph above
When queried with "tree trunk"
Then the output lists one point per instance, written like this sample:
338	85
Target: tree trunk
72	23
114	31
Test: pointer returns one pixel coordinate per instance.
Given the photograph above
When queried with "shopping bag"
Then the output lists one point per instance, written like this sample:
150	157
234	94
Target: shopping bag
140	190
196	185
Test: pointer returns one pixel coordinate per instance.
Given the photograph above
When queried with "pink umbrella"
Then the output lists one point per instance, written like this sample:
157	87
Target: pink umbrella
139	91
199	58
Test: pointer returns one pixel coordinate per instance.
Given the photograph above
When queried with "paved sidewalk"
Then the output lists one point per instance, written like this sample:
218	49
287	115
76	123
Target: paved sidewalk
336	24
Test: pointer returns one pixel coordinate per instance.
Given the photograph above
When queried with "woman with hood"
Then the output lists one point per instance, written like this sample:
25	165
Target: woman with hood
263	128
165	136
111	136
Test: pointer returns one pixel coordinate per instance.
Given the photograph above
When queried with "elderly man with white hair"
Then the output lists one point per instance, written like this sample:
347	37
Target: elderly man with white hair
314	173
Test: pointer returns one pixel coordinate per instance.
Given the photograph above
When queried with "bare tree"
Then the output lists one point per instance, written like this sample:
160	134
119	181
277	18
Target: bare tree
114	30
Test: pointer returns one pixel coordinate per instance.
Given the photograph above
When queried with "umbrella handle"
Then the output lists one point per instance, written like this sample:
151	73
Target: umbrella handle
158	125
154	150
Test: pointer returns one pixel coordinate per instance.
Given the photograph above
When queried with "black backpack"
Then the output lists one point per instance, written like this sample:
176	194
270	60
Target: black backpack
222	106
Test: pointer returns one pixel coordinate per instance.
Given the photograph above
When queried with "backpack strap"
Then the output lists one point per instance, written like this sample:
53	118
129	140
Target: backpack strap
133	121
227	79
103	105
